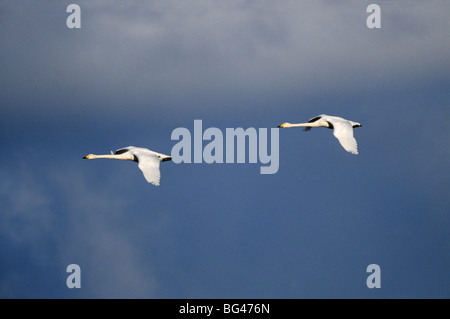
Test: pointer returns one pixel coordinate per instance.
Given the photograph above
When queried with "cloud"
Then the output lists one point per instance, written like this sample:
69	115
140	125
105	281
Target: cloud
100	239
55	223
206	53
26	209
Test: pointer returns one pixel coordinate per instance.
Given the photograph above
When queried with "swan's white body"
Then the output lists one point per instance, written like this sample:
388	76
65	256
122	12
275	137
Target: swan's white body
148	161
342	129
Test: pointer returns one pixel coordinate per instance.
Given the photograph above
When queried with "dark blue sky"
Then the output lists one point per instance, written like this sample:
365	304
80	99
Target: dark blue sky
134	72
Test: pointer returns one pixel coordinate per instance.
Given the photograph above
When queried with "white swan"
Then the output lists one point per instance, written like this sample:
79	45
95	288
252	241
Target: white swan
343	129
148	160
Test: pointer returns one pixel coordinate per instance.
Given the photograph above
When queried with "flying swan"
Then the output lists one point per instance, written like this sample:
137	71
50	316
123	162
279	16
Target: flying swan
148	161
343	129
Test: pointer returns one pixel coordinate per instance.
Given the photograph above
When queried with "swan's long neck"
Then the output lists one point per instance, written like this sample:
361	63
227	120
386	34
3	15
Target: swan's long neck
124	156
313	124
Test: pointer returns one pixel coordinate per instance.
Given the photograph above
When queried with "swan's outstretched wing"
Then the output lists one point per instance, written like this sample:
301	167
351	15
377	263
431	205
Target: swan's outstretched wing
122	150
149	165
343	131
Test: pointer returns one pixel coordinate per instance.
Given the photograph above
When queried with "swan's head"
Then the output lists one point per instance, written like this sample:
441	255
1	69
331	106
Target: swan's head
356	124
88	156
283	125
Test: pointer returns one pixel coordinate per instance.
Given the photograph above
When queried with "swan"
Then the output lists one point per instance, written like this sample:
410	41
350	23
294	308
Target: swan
342	129
148	161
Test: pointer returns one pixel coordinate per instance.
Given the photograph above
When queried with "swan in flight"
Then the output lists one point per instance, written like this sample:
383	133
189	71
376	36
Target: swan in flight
342	129
148	161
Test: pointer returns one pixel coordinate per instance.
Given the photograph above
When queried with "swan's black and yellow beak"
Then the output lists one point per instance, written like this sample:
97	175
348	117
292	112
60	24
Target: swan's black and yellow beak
86	157
282	125
166	159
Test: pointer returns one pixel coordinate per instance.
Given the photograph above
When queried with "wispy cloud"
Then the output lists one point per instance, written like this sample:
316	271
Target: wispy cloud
26	208
59	223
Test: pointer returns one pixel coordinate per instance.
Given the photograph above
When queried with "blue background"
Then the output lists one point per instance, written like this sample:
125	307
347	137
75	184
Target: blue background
136	71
